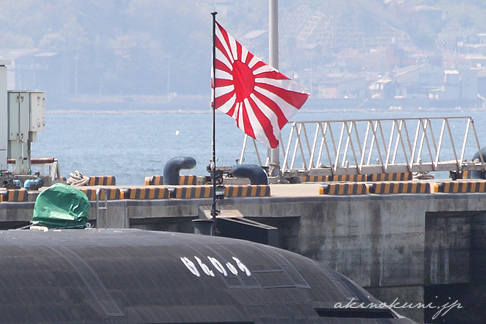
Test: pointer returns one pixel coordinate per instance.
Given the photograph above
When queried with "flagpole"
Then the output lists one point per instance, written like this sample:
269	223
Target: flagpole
213	162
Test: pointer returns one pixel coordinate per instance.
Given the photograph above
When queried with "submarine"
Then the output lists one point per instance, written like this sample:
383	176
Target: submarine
137	276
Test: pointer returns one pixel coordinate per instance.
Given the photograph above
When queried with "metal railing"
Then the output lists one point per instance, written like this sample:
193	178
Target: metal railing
41	164
372	146
100	207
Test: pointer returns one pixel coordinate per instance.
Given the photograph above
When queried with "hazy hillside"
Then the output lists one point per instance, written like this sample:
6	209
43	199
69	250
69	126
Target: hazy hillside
158	46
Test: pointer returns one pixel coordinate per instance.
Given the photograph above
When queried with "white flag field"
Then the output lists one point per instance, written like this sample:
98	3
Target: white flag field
257	96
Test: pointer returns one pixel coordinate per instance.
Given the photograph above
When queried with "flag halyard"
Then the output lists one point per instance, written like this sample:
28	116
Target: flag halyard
259	98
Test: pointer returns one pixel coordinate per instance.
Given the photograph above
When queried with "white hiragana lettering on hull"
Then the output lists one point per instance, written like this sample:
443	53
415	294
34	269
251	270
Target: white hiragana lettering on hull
216	264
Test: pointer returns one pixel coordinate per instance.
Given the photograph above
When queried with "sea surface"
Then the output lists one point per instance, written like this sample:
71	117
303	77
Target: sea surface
131	144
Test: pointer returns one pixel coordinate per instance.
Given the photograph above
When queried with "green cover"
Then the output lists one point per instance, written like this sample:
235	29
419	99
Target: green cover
61	206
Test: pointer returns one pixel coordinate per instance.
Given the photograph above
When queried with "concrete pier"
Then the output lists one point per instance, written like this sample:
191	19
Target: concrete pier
410	248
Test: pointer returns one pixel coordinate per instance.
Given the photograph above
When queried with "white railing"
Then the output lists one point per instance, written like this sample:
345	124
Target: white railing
371	146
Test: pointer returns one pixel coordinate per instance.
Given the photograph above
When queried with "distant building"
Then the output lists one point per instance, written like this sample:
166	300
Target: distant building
476	60
417	80
469	84
384	88
451	87
481	73
471	42
431	83
461	84
344	86
397	58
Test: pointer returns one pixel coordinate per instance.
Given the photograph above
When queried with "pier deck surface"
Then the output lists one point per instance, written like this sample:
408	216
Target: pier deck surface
295	190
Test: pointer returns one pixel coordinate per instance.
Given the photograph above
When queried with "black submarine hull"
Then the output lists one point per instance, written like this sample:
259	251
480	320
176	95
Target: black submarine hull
136	276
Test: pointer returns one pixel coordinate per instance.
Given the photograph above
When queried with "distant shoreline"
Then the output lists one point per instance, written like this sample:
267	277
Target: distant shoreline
201	104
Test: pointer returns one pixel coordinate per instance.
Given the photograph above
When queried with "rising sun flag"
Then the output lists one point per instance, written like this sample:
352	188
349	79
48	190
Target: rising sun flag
257	96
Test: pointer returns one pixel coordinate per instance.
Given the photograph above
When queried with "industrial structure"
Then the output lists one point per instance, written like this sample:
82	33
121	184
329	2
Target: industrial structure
22	114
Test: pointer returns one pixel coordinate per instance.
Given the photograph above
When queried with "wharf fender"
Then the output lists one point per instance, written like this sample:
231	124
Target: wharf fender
111	193
102	181
462	186
158	180
14	195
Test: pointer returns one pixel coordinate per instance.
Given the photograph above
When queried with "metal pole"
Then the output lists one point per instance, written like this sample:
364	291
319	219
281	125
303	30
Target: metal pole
273	154
273	33
214	212
3	115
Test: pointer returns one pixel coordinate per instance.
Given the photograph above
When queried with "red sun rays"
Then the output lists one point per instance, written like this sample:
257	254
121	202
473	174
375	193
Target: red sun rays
258	97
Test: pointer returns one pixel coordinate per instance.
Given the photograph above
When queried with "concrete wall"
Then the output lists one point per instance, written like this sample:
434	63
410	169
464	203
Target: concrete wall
394	245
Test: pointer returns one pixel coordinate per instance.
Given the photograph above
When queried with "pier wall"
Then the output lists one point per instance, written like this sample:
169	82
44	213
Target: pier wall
399	246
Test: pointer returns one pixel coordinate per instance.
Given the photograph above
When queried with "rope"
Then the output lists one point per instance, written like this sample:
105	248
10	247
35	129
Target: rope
77	179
